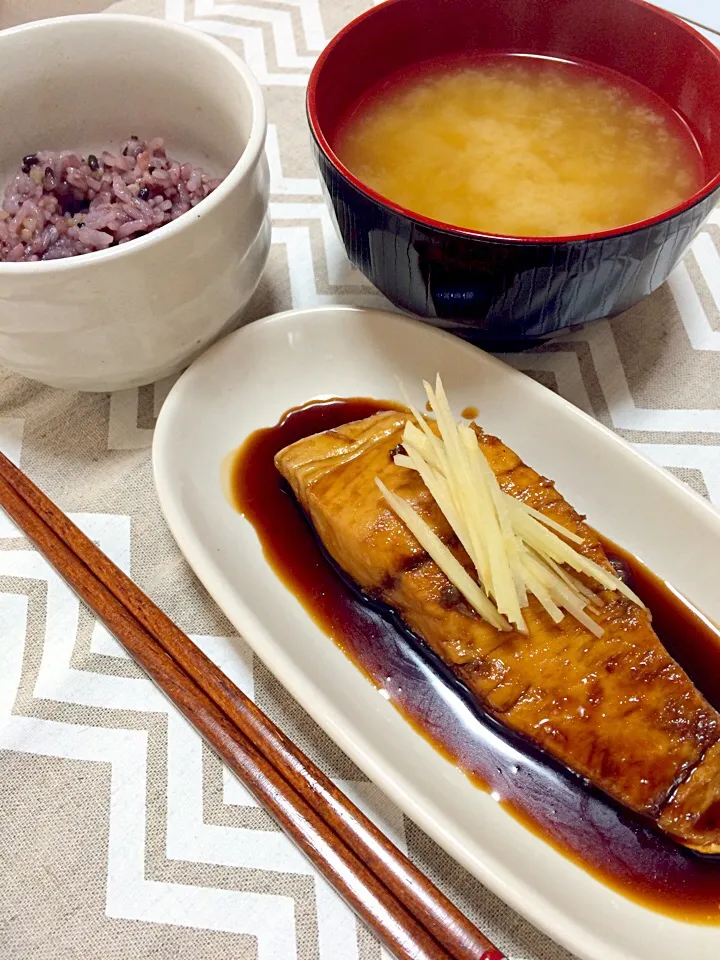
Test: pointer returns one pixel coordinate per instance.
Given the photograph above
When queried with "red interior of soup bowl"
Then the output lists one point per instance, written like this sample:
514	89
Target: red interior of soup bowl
634	38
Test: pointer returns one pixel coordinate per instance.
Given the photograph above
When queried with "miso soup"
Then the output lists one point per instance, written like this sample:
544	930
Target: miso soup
521	145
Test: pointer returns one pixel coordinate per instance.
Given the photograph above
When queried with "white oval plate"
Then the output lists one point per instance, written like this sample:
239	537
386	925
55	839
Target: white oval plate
247	381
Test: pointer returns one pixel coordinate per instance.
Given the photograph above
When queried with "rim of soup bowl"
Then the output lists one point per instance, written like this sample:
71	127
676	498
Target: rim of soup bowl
247	159
465	232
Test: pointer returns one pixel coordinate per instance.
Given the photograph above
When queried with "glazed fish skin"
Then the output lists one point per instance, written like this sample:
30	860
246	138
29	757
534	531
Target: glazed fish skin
618	709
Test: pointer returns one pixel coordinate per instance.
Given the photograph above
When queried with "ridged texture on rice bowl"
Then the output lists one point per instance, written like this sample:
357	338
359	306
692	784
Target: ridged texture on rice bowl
60	204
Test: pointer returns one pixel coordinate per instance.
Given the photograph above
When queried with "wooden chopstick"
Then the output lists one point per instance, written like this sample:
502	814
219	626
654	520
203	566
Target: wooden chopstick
700	26
353	880
404	908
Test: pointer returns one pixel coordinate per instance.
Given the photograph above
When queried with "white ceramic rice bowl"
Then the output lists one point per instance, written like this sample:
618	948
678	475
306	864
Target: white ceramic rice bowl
142	310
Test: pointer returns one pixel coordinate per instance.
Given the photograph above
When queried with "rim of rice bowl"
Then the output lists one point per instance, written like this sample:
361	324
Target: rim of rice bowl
255	143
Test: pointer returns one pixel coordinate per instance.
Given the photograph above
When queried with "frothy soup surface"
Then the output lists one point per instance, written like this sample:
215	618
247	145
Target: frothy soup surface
521	145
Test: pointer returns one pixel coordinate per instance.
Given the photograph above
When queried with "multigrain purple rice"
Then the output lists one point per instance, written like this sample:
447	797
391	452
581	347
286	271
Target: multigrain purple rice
60	204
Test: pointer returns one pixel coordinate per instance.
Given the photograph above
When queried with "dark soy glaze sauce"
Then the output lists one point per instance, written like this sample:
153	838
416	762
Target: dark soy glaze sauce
616	846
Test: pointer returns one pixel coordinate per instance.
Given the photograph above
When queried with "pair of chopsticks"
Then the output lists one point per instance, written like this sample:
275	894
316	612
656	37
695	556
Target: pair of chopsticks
405	910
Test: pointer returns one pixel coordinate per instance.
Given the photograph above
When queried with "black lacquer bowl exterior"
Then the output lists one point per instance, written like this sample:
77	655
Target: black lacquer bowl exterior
495	290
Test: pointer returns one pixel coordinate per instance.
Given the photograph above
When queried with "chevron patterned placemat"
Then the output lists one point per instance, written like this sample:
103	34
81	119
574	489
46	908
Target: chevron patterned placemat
121	835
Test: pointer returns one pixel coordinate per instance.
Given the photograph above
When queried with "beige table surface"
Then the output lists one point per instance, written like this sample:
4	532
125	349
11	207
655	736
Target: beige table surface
121	836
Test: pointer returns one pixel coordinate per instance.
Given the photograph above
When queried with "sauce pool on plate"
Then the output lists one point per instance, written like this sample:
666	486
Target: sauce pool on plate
521	145
613	844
